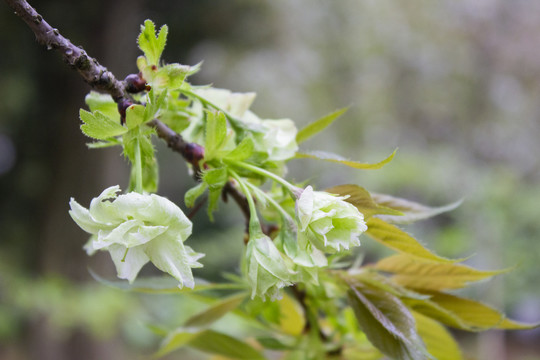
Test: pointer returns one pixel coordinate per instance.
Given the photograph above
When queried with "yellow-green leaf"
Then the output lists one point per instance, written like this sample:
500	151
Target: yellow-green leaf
319	125
174	341
214	312
458	312
322	155
291	320
361	198
418	273
410	210
397	239
439	342
214	342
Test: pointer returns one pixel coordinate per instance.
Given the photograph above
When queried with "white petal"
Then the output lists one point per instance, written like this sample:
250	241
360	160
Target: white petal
128	264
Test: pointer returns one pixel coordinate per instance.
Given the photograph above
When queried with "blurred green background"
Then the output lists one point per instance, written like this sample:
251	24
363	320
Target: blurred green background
454	84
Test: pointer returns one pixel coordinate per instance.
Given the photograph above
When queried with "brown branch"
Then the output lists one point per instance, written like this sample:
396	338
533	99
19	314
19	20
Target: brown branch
99	78
96	75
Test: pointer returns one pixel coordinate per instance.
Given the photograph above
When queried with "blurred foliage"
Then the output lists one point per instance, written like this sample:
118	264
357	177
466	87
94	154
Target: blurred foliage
452	79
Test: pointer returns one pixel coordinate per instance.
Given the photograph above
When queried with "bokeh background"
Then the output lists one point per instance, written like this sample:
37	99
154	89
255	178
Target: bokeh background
454	84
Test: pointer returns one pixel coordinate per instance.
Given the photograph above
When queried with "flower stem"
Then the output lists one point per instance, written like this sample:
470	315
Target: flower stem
266	173
272	202
138	168
254	223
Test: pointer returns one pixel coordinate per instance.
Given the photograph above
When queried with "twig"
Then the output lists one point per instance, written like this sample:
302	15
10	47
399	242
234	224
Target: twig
96	75
99	78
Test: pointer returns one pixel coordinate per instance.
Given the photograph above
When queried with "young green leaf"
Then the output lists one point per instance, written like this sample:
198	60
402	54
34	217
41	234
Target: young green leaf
318	125
104	103
361	198
214	342
150	44
292	317
99	126
193	194
322	155
397	239
215	312
134	116
439	342
242	151
216	133
412	211
418	273
387	323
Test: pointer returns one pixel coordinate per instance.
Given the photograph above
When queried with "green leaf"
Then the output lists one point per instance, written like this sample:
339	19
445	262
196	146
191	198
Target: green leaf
421	274
411	211
395	238
175	340
104	103
318	125
99	126
387	323
215	178
193	194
214	342
242	151
291	319
477	315
216	133
214	312
161	285
150	44
439	342
361	198
322	155
134	116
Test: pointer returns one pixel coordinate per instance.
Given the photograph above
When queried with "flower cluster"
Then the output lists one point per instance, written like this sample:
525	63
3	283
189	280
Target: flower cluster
136	229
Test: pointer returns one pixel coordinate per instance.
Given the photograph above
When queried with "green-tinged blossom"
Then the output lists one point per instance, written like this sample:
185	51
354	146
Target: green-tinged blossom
138	228
266	269
327	222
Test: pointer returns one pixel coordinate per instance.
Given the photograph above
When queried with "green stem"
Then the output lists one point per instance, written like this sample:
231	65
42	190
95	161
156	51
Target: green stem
138	168
266	173
273	202
254	224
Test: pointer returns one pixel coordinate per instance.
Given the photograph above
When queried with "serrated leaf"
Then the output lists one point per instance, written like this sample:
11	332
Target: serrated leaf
411	211
318	125
215	134
134	116
459	312
214	342
322	155
99	126
477	315
397	239
439	342
150	44
103	103
242	151
193	194
361	198
292	319
417	273
387	323
215	178
215	312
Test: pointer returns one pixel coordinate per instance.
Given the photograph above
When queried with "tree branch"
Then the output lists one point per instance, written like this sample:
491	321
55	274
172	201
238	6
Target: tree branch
99	78
96	75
